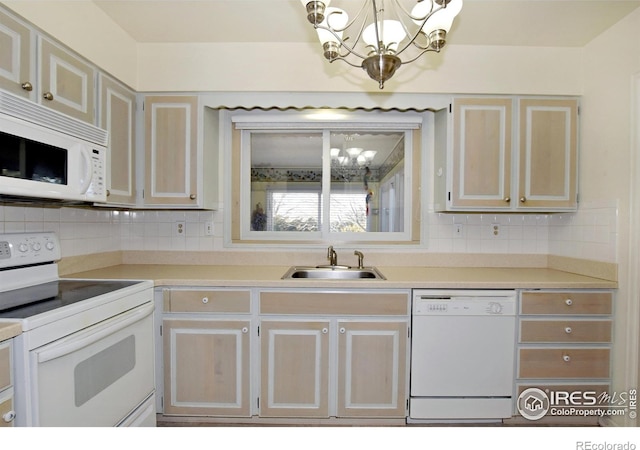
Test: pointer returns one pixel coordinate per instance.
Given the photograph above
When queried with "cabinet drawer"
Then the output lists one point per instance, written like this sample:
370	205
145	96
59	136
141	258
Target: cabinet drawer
564	363
206	300
372	304
6	406
565	331
5	365
566	303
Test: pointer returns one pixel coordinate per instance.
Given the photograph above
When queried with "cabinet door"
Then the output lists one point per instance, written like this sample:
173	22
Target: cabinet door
206	367
372	369
548	154
66	83
117	116
171	176
16	59
294	369
481	160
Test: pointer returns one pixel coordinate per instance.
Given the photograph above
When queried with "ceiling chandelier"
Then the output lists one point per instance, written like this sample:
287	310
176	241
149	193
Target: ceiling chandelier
350	162
381	32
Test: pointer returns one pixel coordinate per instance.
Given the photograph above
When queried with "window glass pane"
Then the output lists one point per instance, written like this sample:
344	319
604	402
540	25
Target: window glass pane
367	181
286	181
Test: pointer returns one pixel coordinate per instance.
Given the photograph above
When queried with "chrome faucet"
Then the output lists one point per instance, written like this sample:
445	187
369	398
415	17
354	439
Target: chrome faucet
332	256
360	259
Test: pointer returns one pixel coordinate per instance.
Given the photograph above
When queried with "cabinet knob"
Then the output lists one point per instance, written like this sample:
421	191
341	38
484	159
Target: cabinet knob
9	416
568	302
47	96
325	330
108	192
342	330
192	196
27	86
205	300
507	199
566	358
523	199
568	330
245	330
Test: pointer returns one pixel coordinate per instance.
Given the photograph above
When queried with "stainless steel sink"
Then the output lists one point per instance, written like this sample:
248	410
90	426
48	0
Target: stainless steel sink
334	273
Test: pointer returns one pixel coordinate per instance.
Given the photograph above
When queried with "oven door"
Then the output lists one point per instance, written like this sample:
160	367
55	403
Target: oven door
98	376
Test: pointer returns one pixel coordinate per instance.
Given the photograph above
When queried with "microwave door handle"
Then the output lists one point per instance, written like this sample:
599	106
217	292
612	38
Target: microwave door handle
88	169
76	344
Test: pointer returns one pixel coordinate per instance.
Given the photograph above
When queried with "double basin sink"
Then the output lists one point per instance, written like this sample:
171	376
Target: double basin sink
333	273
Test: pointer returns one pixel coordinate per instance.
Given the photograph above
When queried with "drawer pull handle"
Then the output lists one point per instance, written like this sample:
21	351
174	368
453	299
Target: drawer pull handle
245	330
325	330
9	416
568	330
568	302
205	300
566	358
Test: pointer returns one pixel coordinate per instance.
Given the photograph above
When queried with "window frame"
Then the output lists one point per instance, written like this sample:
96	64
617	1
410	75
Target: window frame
242	124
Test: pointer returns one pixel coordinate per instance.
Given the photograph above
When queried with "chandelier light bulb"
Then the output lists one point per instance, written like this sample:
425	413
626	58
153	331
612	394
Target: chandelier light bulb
390	32
369	155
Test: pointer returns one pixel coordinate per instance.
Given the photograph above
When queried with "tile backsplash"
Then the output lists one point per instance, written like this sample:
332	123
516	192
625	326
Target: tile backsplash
589	233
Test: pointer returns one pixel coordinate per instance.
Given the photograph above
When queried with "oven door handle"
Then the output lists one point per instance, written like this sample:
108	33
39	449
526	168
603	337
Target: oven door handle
84	341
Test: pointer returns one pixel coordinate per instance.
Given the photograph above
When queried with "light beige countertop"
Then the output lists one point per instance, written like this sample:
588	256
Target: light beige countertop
9	330
396	277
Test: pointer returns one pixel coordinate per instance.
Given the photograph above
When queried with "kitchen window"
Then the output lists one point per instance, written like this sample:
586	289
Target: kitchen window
305	181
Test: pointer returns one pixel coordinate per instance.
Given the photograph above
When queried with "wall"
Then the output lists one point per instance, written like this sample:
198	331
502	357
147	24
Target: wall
589	235
84	27
607	168
232	66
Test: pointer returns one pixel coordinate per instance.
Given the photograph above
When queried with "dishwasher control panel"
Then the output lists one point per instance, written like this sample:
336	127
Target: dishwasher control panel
483	303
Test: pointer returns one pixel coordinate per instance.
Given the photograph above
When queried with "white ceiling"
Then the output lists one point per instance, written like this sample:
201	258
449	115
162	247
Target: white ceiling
482	22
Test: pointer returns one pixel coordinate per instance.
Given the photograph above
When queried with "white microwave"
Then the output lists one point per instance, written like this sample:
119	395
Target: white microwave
45	154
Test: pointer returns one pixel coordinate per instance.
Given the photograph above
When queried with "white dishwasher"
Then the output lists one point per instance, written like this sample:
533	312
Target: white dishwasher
462	355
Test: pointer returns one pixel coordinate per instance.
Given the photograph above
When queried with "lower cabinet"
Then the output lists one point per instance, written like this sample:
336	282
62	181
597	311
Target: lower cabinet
284	354
206	352
564	353
340	354
206	367
7	413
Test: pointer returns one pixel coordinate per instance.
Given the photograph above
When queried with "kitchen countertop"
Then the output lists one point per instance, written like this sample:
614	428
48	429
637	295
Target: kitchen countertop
397	277
9	330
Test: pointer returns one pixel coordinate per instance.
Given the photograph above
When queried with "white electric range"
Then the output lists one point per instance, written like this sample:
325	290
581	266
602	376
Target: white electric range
85	356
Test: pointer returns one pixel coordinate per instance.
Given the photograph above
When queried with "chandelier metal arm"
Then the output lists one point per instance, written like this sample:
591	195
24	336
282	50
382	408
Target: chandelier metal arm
417	33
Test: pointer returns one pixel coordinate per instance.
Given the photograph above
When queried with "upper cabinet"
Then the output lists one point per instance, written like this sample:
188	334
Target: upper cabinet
180	153
548	150
17	68
35	67
506	154
66	82
118	116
